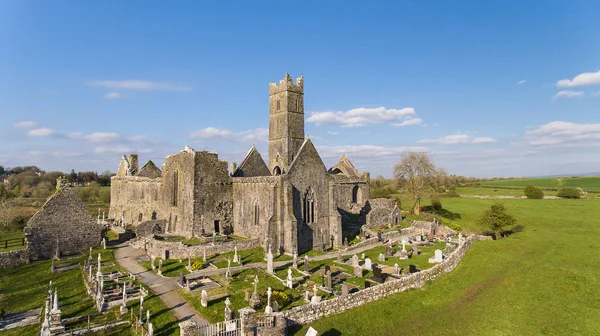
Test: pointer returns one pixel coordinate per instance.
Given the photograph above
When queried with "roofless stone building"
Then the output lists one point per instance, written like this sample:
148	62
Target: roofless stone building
294	203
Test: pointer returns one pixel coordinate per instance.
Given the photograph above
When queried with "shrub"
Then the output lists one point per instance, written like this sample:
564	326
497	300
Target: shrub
568	192
533	192
197	265
497	219
436	205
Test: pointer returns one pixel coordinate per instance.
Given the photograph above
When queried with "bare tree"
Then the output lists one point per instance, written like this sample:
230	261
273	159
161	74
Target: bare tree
420	176
8	212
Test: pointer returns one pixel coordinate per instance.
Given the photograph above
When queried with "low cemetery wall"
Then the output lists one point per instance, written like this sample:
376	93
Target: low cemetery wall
384	236
178	250
14	258
310	312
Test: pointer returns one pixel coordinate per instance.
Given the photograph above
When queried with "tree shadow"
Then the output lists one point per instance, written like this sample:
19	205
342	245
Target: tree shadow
441	212
332	332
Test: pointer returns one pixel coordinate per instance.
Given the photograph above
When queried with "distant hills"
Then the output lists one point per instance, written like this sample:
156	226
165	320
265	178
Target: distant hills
597	173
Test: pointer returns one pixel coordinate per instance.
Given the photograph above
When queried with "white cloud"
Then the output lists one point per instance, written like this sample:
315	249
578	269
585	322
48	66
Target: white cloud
113	95
137	85
453	139
586	78
361	116
102	137
41	132
569	94
333	133
410	122
559	133
483	140
212	132
258	135
367	151
522	81
25	124
112	149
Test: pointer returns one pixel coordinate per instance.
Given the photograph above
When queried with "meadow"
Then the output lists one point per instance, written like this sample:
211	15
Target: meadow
587	183
543	280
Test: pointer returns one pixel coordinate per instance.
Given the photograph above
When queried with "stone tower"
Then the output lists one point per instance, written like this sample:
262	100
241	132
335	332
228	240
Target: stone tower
286	122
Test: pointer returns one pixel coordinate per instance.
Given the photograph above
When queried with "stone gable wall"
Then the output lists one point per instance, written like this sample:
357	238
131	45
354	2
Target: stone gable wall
14	258
381	212
131	196
311	312
64	221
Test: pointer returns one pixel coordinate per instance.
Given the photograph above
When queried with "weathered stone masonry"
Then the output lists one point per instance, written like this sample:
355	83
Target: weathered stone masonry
293	203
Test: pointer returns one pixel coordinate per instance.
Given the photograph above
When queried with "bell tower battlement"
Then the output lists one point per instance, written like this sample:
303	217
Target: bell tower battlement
286	122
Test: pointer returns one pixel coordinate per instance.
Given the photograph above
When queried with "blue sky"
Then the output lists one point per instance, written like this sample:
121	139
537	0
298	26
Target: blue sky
510	88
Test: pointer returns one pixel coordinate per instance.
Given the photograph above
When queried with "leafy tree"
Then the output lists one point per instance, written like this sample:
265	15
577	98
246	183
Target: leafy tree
533	192
420	176
72	176
8	213
4	193
568	192
497	219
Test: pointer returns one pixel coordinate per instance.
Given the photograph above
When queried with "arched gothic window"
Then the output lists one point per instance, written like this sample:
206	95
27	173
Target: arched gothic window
276	171
355	194
308	211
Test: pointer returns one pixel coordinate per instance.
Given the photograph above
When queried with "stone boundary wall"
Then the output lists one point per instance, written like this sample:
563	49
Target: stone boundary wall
178	250
385	237
311	312
14	258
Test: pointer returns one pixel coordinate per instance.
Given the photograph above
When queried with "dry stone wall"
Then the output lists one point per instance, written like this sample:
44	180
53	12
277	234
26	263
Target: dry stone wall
13	258
178	250
310	312
382	211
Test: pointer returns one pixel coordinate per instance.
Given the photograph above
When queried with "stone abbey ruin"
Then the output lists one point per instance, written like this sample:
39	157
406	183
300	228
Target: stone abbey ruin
293	203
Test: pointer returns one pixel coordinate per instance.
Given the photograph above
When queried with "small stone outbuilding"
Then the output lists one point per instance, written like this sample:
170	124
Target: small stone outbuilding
64	226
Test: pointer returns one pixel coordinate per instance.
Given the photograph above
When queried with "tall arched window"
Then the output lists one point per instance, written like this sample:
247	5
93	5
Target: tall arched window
256	213
355	191
175	189
308	211
276	171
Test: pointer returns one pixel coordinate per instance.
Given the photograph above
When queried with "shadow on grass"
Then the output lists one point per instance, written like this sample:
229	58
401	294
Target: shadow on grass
441	212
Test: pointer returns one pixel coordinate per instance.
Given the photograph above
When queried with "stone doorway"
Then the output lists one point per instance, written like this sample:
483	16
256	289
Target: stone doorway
217	226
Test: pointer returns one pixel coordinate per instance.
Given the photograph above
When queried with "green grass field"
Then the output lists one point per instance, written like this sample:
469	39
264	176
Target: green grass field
542	281
25	287
469	191
590	183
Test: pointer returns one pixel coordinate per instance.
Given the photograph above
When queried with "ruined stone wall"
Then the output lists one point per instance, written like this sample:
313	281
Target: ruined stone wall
308	171
212	195
382	211
179	250
249	195
14	258
310	312
64	224
177	192
131	196
344	190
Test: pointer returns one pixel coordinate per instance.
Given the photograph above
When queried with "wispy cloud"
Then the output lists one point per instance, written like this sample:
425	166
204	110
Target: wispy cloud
569	94
98	137
212	132
453	139
112	149
483	140
258	135
410	122
140	85
584	79
367	151
41	132
361	116
559	133
113	95
333	133
25	124
522	81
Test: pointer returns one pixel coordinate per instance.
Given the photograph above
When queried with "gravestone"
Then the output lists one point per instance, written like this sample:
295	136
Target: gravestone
236	258
367	284
378	274
295	260
403	255
152	260
255	298
181	278
344	289
355	260
204	254
270	261
204	298
328	277
160	267
268	308
396	269
438	256
189	263
346	241
275	307
214	238
306	269
388	250
415	250
362	256
307	296
228	312
381	257
311	332
339	257
289	282
327	268
368	264
357	271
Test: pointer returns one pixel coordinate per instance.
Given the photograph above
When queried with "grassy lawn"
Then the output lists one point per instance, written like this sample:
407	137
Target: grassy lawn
15	240
468	191
25	287
588	183
543	280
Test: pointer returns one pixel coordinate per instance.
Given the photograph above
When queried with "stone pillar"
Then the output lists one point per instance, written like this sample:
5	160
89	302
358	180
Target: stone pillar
248	321
188	328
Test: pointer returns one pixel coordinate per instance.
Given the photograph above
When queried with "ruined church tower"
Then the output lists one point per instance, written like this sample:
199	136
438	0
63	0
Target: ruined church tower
286	122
